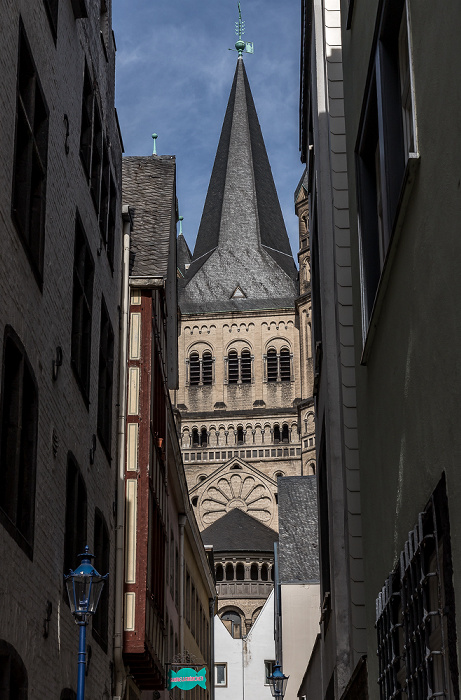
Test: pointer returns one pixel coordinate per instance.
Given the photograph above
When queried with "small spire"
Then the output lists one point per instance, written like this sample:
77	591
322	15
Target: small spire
181	219
155	137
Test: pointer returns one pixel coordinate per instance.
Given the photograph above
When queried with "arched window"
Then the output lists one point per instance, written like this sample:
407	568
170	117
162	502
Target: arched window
272	365
203	437
240	436
245	366
13	674
272	573
207	367
229	572
219	572
232	367
285	433
194	369
233	623
239	367
240	572
276	433
254	573
194	501
200	368
285	365
264	573
195	438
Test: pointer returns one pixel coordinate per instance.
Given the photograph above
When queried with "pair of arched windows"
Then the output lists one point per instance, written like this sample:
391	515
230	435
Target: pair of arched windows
278	365
281	435
199	439
239	367
237	573
200	368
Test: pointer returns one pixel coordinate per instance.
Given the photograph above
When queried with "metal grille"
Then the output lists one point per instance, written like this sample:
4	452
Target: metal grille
194	368
410	620
233	367
245	366
207	367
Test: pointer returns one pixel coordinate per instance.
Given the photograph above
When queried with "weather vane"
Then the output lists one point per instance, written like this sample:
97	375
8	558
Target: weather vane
241	45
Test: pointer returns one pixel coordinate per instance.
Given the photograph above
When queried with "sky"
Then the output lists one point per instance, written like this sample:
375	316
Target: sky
174	74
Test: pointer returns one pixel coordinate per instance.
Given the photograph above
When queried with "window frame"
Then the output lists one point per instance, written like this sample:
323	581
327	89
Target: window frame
21	480
385	167
221	664
30	163
82	310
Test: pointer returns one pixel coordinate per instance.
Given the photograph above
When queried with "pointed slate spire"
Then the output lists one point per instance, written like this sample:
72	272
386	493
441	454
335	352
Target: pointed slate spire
242	240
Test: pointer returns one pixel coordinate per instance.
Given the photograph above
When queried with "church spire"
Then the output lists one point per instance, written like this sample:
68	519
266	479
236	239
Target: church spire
242	241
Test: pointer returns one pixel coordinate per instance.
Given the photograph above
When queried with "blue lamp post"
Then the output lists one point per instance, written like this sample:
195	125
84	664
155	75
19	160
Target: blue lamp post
278	682
84	588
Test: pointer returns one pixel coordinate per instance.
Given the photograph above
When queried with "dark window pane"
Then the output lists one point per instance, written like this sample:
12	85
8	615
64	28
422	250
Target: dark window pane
194	368
106	367
207	367
276	433
101	562
233	367
285	365
82	307
18	443
75	534
272	365
245	366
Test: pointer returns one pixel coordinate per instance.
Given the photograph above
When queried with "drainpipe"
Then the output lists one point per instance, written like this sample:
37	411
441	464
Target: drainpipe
120	674
212	602
181	522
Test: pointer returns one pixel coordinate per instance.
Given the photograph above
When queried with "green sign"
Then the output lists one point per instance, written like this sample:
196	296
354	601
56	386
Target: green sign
187	678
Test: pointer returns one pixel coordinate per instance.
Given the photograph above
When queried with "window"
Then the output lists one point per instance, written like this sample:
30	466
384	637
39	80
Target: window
94	154
278	365
13	674
203	437
106	362
101	558
229	572
18	449
68	694
240	572
254	573
386	146
276	433
220	675
52	9
239	368
285	433
82	307
415	612
195	437
240	436
200	369
219	572
233	623
233	367
30	159
76	516
268	671
264	573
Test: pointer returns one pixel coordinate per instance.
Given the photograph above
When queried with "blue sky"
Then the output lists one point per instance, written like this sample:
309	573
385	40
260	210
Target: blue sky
174	74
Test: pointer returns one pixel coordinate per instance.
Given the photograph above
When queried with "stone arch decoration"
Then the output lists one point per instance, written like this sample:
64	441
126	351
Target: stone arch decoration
237	488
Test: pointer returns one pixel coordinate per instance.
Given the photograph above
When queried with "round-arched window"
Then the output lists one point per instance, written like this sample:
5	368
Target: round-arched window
219	572
194	368
240	572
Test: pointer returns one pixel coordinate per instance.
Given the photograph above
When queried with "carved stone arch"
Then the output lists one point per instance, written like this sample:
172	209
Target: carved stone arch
240	488
199	346
239	345
278	342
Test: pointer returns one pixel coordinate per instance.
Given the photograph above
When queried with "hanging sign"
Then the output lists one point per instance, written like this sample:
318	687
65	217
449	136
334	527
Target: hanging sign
187	678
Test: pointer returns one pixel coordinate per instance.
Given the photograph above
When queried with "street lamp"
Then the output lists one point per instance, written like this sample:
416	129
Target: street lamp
84	588
278	682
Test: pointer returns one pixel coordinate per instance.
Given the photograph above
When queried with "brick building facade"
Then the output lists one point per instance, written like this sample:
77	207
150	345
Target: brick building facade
60	200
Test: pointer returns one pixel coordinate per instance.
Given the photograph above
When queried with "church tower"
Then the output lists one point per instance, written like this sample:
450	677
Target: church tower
239	366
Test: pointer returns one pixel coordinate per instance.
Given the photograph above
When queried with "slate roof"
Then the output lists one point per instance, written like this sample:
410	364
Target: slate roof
242	241
298	529
184	256
239	532
148	188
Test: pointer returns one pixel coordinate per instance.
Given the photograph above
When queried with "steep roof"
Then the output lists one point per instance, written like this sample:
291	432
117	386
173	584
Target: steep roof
239	532
298	529
242	241
148	187
183	254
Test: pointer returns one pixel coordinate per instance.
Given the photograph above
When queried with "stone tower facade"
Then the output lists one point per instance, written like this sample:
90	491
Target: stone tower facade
240	379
